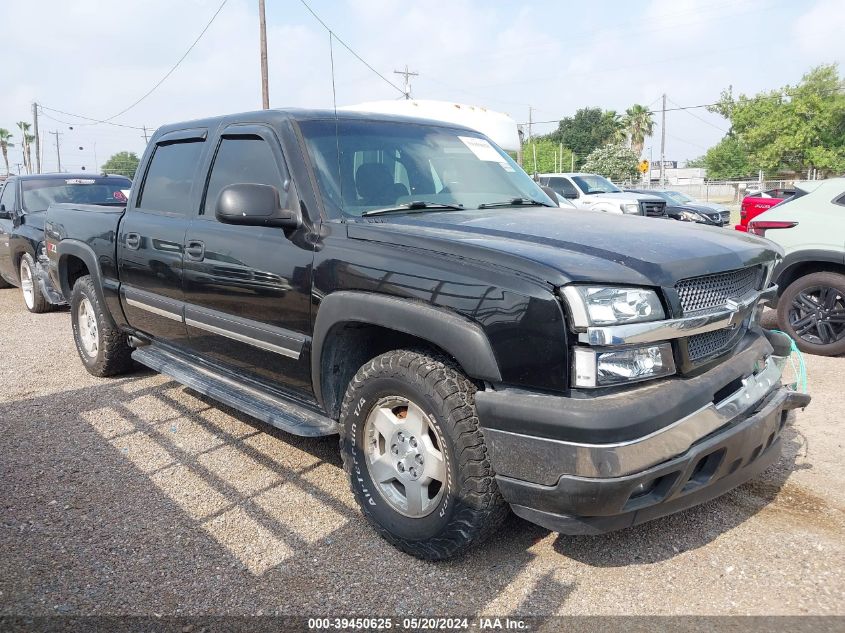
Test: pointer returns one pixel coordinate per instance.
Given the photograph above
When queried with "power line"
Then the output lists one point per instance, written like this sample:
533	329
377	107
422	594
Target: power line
347	47
175	66
84	118
703	120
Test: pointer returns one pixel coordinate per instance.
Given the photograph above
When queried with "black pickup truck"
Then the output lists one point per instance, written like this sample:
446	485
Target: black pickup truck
23	203
405	284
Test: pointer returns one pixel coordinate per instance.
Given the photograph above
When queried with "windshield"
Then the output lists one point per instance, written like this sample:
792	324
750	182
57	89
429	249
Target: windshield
595	184
676	197
366	165
38	194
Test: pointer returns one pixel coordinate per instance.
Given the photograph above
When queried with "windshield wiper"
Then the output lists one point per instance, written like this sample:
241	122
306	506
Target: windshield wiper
416	205
514	202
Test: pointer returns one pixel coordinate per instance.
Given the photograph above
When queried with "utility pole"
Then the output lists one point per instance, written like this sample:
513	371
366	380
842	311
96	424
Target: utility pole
530	121
265	88
407	74
58	150
37	138
663	143
146	137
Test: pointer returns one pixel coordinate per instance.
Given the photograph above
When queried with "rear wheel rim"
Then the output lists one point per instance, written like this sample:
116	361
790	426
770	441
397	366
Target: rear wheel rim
27	285
89	333
405	457
817	315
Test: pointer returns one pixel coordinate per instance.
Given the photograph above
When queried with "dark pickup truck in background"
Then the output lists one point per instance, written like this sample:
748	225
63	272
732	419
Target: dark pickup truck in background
402	283
23	203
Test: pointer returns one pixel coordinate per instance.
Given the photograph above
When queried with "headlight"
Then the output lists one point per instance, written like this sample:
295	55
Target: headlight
596	305
631	208
597	368
690	216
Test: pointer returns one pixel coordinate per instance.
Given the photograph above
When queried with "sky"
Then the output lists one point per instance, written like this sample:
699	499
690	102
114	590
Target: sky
95	58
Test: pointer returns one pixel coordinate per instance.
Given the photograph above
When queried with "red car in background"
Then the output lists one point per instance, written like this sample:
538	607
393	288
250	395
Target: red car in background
755	203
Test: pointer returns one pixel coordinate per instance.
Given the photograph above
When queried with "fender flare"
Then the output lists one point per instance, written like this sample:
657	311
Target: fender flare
459	337
76	248
802	257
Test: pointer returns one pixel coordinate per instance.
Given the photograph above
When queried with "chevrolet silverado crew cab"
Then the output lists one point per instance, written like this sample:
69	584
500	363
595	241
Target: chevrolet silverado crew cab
596	193
403	283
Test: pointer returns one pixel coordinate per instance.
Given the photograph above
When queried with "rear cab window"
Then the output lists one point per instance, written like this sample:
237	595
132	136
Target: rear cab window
39	193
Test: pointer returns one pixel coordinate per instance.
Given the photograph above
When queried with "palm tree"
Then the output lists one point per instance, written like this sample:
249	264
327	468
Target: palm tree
638	123
5	138
24	128
30	139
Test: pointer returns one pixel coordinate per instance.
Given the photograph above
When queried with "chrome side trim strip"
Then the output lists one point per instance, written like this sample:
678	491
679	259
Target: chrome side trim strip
625	458
159	311
278	349
731	316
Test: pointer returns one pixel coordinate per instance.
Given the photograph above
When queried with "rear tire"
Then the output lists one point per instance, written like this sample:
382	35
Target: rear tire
33	298
103	348
812	311
415	456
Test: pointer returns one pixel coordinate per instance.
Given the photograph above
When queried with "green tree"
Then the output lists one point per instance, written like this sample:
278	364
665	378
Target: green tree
638	123
728	160
615	161
795	128
587	130
5	144
123	163
548	156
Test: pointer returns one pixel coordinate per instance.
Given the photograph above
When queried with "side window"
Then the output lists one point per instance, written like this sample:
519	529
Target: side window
563	187
167	186
7	199
243	160
840	200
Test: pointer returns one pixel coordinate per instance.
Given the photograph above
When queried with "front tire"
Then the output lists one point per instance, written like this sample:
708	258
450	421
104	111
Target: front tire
415	455
33	298
103	348
812	311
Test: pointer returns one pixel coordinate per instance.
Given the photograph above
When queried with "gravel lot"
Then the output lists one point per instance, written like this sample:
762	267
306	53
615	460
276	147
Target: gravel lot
138	496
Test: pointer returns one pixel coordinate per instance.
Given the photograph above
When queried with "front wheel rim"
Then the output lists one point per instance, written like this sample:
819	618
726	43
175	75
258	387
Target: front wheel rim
89	336
817	315
27	285
405	457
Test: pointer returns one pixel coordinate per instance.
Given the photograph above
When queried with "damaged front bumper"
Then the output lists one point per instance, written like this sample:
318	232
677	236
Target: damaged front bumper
624	471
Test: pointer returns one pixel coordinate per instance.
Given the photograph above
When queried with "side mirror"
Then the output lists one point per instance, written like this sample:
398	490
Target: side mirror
5	215
570	195
250	204
551	193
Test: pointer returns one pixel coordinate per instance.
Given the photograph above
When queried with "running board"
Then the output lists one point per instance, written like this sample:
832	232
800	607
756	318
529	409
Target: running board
268	408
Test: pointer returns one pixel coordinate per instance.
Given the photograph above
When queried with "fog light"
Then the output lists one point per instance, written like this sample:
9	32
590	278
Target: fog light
643	489
601	368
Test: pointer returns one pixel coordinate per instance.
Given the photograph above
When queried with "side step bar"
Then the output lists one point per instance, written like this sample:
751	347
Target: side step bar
268	408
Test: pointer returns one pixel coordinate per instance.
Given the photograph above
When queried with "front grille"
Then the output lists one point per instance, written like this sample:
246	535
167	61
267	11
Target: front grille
709	292
652	209
713	343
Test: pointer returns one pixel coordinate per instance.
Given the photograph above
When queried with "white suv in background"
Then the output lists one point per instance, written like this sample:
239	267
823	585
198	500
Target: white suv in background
811	229
596	193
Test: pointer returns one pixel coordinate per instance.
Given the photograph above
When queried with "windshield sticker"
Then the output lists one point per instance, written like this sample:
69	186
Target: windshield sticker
80	181
482	149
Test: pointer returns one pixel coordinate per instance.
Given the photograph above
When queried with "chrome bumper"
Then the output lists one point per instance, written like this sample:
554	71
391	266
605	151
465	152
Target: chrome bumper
731	316
625	458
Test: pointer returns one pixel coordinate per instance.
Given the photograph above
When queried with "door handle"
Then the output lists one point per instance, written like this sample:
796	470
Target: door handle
133	241
195	250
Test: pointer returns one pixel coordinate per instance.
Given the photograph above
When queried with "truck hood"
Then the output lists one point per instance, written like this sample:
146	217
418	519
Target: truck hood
562	246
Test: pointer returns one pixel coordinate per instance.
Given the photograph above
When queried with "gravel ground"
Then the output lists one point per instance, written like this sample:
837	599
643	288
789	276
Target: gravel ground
138	496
